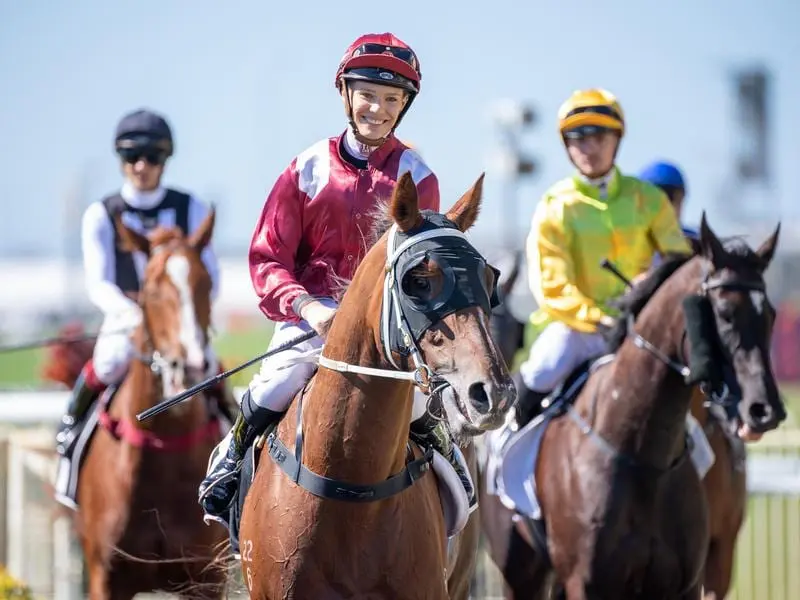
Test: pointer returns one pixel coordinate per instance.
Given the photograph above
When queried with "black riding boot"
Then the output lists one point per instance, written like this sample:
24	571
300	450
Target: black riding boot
218	490
432	432
529	402
82	398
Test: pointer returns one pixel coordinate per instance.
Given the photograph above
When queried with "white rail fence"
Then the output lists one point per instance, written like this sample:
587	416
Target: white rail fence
36	539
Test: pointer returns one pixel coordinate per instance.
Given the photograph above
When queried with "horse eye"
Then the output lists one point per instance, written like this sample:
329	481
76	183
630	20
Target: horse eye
423	284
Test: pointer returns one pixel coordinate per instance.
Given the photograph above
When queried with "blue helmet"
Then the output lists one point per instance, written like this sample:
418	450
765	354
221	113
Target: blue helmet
662	173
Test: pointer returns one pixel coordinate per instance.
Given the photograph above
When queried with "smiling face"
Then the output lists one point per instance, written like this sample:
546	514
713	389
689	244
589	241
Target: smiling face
375	107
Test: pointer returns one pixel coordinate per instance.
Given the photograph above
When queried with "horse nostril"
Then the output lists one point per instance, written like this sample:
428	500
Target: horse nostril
478	397
760	412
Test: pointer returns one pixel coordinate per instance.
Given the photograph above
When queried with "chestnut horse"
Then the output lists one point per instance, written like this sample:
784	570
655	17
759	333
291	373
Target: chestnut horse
725	483
373	526
623	509
139	522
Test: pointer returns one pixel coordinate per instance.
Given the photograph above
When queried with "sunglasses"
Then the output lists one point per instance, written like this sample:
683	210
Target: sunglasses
404	54
151	156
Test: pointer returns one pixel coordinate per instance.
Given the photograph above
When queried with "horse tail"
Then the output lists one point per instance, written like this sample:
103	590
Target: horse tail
65	359
222	561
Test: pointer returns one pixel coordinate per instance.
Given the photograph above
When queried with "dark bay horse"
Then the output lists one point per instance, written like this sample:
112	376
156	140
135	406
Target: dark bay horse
378	531
139	522
725	483
623	509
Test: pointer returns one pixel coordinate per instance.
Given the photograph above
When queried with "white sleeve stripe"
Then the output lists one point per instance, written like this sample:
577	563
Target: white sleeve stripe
412	162
314	168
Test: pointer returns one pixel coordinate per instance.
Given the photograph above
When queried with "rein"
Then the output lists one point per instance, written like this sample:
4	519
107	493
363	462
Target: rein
723	398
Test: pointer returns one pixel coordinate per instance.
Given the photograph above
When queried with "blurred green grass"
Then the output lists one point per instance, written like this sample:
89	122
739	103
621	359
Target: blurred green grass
22	369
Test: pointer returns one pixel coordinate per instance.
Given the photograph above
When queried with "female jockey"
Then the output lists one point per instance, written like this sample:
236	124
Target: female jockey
670	180
310	236
143	143
597	213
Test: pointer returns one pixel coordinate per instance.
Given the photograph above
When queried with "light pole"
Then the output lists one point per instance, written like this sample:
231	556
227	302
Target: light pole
511	118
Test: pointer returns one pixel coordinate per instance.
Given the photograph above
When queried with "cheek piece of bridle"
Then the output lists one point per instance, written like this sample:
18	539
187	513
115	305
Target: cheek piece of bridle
406	318
708	364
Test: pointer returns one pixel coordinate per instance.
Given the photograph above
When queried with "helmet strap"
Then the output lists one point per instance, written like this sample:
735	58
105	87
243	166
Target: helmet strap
369	142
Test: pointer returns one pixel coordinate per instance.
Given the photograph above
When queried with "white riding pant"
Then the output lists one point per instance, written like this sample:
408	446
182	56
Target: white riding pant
557	351
114	351
280	378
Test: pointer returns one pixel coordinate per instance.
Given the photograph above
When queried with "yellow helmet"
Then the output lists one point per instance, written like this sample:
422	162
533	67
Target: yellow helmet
594	108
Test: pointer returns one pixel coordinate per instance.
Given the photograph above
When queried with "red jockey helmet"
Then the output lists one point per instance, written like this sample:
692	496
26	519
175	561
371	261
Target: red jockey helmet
381	58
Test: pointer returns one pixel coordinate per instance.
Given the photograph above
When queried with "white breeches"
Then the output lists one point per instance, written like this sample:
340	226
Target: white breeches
555	353
281	377
114	351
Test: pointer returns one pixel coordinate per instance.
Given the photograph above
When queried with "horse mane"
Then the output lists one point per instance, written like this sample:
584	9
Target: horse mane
632	302
737	248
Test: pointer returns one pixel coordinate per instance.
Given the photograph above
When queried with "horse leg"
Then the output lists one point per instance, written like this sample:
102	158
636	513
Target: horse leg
719	569
98	581
574	589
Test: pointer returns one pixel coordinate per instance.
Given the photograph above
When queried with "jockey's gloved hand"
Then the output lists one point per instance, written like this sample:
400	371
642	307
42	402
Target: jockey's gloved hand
128	319
318	316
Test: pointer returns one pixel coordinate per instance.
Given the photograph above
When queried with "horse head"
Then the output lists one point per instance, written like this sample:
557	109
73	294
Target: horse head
175	299
743	318
437	296
725	327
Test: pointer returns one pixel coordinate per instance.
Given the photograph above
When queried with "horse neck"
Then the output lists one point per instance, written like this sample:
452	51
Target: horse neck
356	426
647	401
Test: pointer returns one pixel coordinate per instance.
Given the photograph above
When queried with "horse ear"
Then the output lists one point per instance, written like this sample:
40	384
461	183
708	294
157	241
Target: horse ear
202	235
404	206
710	246
767	250
694	242
465	211
130	240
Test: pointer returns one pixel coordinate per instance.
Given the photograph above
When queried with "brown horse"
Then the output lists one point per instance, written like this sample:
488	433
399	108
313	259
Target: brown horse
725	483
623	510
139	522
373	526
725	487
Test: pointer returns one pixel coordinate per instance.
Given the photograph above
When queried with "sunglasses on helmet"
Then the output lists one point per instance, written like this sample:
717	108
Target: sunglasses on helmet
404	54
598	110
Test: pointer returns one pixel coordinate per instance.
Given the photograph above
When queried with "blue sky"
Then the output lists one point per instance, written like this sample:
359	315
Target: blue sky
248	84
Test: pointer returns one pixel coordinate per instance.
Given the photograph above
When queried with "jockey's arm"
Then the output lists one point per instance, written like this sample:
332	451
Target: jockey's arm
97	242
665	230
197	212
551	272
273	249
